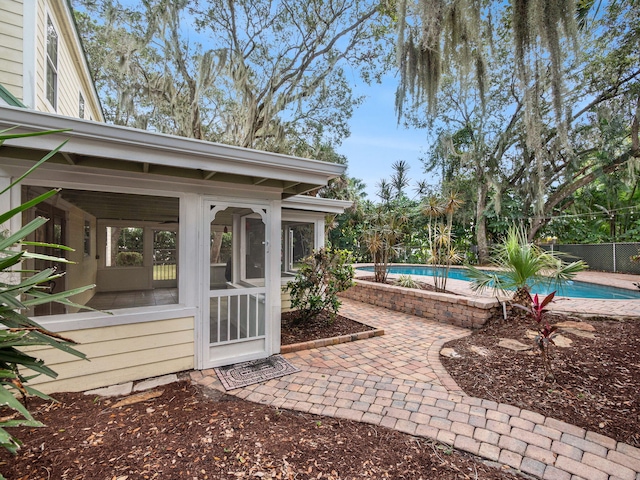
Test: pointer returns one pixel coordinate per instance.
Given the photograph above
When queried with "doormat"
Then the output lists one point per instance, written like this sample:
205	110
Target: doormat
255	371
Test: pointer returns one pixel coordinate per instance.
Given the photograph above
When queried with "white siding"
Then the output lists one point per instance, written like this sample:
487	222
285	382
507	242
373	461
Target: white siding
285	298
72	78
119	354
11	46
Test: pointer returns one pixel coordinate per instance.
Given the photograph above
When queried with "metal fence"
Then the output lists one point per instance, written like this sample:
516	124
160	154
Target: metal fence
607	257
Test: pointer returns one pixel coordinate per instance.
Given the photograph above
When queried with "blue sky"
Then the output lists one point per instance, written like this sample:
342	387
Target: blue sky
377	141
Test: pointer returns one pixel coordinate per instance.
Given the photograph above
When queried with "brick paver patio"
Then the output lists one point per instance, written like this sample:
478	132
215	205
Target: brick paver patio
397	381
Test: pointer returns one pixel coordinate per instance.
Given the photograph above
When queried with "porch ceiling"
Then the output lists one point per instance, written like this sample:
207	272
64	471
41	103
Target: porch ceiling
119	206
99	146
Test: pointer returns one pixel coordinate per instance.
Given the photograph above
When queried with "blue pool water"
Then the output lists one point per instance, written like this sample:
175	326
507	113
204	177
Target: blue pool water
570	289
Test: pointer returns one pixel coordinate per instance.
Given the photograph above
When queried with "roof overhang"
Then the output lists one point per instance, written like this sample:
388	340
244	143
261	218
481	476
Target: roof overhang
316	204
101	146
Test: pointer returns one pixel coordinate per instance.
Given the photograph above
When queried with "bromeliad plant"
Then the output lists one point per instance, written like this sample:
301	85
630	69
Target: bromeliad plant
546	332
21	289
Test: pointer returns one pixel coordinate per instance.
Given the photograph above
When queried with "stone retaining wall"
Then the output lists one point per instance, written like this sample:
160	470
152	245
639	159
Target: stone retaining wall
469	312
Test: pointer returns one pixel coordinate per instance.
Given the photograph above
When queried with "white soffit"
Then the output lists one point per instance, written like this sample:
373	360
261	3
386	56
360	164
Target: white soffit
316	204
92	144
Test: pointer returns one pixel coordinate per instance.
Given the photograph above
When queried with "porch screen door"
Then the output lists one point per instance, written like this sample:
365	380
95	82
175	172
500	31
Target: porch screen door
235	323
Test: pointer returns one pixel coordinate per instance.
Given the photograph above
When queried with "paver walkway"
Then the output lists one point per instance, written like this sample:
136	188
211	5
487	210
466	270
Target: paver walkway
397	381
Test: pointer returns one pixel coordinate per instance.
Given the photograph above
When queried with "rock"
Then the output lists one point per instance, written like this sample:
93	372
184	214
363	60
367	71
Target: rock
580	333
483	352
531	334
583	326
449	352
514	345
138	397
562	341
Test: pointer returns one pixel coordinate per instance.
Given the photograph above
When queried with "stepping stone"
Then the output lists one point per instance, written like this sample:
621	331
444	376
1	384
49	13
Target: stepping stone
483	352
449	352
514	345
531	334
583	326
580	333
562	341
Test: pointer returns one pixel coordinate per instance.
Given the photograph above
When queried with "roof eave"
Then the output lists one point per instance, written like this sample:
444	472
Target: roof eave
110	141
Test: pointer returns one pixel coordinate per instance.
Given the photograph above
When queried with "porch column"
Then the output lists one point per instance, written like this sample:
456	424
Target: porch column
320	239
273	236
9	200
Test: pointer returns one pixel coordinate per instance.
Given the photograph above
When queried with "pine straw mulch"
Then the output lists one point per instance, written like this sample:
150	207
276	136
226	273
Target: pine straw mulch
192	433
597	380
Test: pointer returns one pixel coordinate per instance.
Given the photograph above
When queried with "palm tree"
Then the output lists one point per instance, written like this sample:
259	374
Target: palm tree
441	251
400	179
382	238
521	264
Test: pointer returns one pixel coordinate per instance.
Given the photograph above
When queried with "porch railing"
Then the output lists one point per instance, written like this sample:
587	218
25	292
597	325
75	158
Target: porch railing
164	264
236	315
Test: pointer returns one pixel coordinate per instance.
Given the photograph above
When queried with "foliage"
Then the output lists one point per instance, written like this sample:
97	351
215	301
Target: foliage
20	290
441	251
319	279
509	155
406	281
546	332
520	264
129	259
384	231
260	74
436	34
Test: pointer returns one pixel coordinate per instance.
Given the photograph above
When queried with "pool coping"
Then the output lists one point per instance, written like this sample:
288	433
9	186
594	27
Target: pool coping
623	308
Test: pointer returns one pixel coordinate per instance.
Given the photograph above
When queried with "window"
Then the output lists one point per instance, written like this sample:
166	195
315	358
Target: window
52	64
298	242
124	247
80	105
125	244
87	238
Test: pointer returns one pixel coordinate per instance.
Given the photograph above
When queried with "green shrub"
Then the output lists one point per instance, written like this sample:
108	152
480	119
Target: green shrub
129	259
320	278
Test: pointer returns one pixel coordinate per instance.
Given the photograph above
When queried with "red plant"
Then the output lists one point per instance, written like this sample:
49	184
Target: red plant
546	332
538	307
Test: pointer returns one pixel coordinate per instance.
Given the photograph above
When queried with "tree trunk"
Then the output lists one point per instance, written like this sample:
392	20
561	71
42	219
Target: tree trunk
481	223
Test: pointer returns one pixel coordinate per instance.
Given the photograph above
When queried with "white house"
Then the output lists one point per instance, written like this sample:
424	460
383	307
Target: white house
235	216
42	62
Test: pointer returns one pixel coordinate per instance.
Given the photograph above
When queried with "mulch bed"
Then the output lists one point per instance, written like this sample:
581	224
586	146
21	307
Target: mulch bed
597	380
294	331
192	433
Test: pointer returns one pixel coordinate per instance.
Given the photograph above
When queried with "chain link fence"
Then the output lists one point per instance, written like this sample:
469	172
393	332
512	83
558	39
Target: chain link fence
607	257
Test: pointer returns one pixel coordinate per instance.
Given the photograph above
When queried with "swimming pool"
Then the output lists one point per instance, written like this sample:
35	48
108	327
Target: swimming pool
572	288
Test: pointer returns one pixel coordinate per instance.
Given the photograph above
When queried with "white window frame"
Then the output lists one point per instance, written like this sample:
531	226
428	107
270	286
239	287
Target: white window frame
81	105
50	65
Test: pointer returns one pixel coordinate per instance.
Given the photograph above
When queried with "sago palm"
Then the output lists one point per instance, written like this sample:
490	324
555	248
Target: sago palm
521	264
